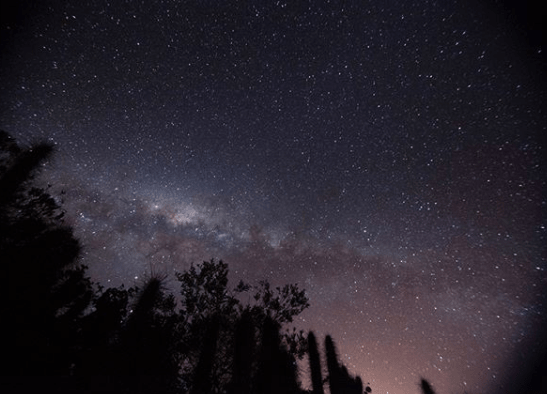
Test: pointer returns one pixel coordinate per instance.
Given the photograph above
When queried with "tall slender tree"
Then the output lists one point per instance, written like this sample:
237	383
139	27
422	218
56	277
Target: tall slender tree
340	381
242	366
332	366
202	382
315	364
277	370
146	342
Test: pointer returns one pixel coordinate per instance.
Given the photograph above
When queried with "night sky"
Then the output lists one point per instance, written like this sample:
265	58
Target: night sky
385	155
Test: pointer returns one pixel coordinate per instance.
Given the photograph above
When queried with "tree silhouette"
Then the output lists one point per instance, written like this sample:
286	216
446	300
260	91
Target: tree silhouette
145	342
202	383
205	293
101	330
18	167
243	356
78	337
426	387
315	365
43	292
340	381
277	372
58	323
131	350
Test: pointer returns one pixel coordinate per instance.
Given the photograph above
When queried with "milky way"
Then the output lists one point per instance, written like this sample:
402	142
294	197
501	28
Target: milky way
387	157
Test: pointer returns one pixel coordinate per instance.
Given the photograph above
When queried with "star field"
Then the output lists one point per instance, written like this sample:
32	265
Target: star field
388	157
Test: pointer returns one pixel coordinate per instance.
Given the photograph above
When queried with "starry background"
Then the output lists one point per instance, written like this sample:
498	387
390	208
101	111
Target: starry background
387	156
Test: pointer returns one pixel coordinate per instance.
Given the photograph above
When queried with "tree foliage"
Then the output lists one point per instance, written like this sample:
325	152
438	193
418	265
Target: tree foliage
205	296
43	291
211	338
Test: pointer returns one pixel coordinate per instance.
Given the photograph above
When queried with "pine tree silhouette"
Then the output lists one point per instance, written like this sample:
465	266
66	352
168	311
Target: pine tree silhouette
315	365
